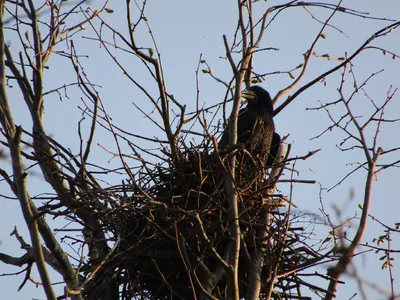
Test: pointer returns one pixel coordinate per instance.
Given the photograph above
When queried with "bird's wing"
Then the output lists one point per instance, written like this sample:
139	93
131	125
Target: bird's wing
274	149
246	121
261	135
257	133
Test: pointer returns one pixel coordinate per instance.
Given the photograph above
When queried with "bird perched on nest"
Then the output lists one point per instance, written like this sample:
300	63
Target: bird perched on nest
256	129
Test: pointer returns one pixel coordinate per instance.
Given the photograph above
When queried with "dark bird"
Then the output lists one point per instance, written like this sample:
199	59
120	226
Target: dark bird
256	129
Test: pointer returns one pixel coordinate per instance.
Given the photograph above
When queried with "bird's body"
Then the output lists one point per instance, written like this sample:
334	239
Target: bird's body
256	129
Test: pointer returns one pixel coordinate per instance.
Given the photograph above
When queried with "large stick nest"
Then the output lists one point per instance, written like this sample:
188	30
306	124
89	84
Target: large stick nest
168	221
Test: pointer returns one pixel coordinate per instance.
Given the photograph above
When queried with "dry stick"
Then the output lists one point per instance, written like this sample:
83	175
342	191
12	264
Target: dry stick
13	134
38	78
247	73
27	205
61	23
271	283
125	72
191	271
257	263
56	257
306	61
34	101
159	78
172	137
96	268
95	108
154	262
390	265
377	34
209	243
232	197
185	259
348	254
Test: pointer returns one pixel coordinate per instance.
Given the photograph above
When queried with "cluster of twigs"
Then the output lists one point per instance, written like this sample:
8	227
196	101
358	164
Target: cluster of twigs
169	230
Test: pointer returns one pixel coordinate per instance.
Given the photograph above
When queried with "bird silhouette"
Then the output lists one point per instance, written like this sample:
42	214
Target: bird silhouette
256	129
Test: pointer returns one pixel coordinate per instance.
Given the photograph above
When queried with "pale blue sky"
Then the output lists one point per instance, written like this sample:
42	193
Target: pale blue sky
186	29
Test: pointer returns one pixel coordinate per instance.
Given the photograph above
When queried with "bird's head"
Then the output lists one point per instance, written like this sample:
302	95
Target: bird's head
258	98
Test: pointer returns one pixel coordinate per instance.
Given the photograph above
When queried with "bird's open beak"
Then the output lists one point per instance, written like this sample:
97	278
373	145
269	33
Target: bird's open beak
249	95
